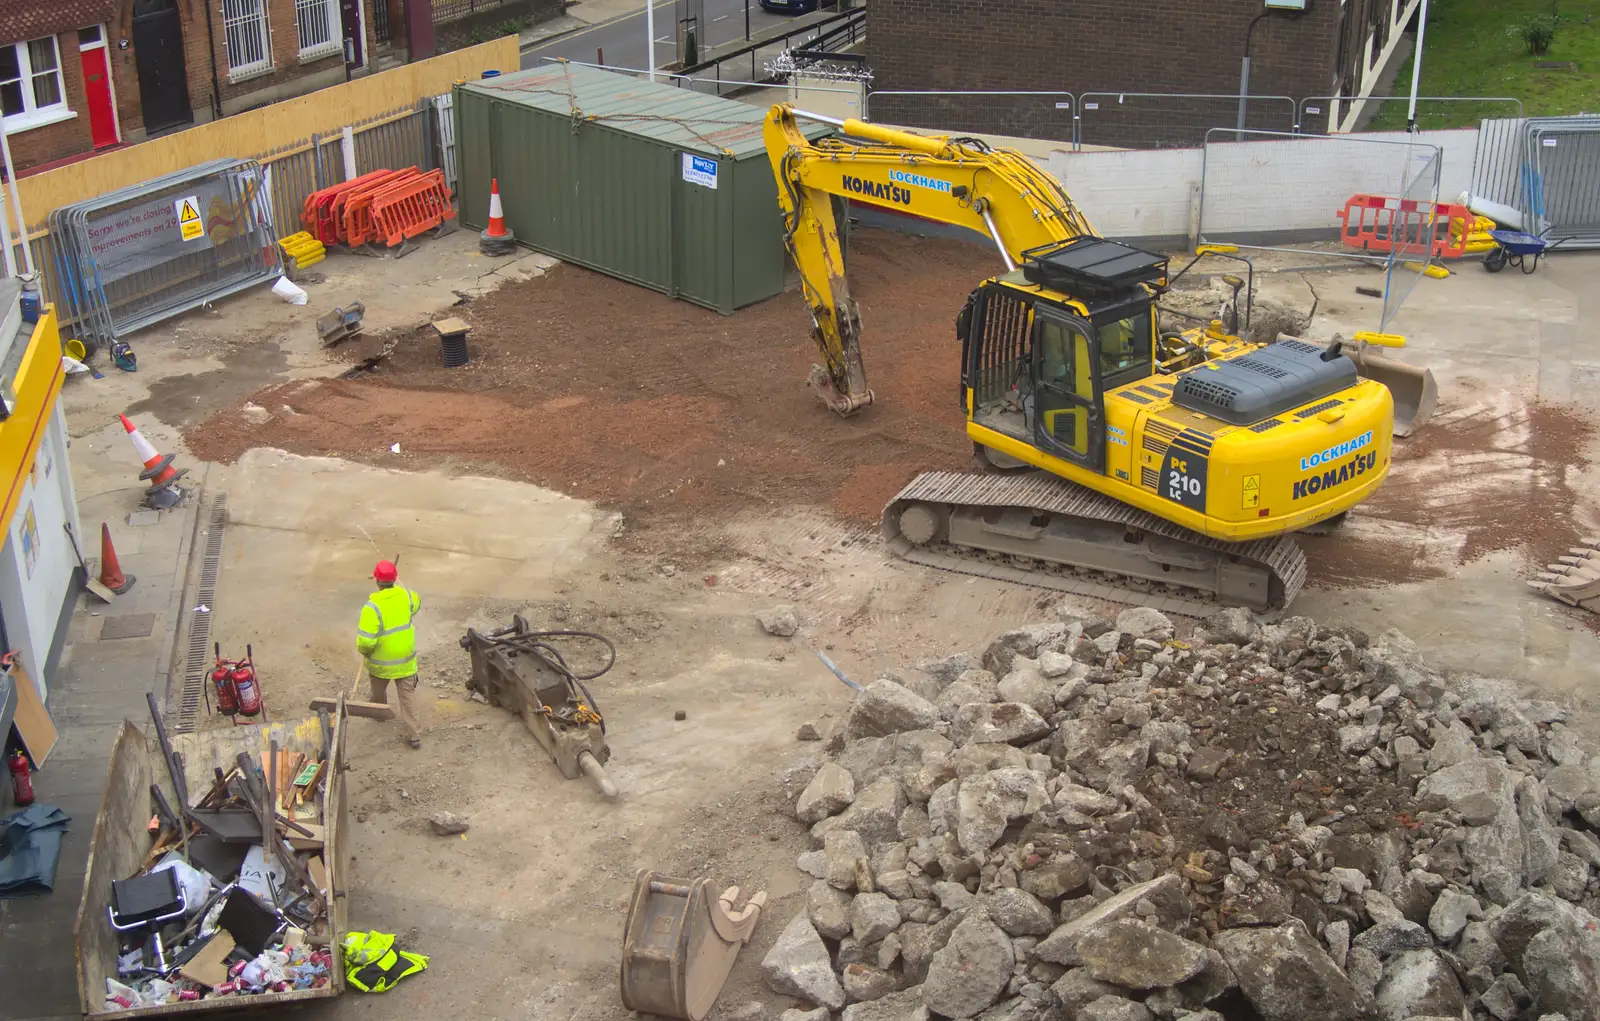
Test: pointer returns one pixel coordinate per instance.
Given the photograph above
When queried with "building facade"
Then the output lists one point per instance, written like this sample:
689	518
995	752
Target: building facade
1328	48
77	76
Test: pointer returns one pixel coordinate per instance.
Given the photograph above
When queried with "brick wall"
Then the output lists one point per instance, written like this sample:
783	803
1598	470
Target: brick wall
34	146
481	26
1093	45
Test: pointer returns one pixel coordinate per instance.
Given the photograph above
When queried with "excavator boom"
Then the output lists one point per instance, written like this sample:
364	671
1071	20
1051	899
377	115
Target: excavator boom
960	181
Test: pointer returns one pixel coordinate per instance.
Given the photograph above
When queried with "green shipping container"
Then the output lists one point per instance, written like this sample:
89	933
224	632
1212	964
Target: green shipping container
665	187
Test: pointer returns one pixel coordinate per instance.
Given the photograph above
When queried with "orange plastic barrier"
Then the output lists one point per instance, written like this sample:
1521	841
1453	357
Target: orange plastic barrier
407	208
1381	223
356	210
317	212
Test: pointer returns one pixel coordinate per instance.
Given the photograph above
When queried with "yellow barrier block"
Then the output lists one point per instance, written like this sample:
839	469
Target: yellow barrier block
304	249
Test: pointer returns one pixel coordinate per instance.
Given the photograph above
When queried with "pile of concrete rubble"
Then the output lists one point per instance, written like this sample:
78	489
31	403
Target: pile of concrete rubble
1095	821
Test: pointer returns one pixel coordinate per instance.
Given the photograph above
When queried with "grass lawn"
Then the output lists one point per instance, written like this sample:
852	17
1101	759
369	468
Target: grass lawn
1468	51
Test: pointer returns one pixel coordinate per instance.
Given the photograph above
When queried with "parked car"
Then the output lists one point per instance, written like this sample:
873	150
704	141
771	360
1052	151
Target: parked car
789	6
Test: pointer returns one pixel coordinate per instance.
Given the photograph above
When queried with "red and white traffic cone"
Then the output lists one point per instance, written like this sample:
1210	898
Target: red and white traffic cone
111	575
497	238
158	470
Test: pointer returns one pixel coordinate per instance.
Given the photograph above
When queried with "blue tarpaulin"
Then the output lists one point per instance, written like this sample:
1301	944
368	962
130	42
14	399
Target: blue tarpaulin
30	847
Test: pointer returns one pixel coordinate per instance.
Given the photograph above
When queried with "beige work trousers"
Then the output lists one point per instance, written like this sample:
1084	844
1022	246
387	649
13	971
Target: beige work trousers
406	690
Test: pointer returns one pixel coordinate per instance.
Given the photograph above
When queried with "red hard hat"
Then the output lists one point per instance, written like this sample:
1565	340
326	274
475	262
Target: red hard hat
385	571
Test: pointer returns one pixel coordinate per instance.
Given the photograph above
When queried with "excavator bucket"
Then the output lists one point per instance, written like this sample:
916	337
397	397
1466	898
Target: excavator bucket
1414	391
1575	580
679	944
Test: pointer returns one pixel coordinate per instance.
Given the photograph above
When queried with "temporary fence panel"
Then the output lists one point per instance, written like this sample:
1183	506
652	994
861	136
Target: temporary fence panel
1173	120
1274	190
142	254
400	139
445	131
1045	115
1324	115
1564	181
1498	172
1411	248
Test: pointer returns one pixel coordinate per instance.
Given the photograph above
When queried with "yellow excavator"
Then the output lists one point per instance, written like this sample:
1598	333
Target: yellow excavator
1161	469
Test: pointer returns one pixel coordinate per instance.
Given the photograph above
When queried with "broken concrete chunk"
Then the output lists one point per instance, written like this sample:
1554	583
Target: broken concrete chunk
1450	914
1232	626
875	813
872	917
1114	1008
885	707
905	1005
780	621
1286	976
946	670
831	790
1419	982
1059	875
1541	842
1389	937
798	965
1002	722
1023	641
864	983
971	971
829	910
1136	955
846	857
986	804
1469	788
1143	622
1018	912
446	824
1027	684
1165	895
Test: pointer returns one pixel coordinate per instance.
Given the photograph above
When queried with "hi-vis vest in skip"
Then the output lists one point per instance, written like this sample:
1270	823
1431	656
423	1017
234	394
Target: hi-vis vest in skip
385	635
373	964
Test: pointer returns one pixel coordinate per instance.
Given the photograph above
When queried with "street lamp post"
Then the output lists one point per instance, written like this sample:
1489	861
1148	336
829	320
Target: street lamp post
1416	67
650	37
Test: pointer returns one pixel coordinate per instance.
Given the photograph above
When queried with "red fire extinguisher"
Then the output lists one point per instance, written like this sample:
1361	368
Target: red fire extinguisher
221	683
245	690
21	780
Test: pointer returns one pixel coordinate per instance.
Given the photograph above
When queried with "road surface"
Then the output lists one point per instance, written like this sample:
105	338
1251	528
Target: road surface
622	40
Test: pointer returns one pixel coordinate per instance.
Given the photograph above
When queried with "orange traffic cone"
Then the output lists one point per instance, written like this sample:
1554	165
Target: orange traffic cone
158	469
111	575
497	238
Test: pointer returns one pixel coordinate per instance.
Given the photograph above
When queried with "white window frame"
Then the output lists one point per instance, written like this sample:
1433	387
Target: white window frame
233	21
305	15
33	115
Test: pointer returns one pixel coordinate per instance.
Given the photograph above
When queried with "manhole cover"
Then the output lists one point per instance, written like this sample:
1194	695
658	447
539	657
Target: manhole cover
131	625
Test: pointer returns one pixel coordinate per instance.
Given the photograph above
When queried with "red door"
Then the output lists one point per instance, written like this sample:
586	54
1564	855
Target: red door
97	86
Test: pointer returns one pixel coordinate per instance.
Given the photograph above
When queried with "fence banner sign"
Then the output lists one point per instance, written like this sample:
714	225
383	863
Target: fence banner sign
140	237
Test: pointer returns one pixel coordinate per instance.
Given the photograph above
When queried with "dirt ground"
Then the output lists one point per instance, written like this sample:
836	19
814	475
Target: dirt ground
702	481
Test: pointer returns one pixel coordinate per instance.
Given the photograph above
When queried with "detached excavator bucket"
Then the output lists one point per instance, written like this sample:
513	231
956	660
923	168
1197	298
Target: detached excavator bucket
1575	580
679	944
1414	391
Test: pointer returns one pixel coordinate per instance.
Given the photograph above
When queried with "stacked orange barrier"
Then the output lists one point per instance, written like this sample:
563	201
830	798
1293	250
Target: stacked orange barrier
391	205
407	208
1380	223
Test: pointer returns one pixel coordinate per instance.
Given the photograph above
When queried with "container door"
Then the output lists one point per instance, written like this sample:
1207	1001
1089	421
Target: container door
702	258
97	87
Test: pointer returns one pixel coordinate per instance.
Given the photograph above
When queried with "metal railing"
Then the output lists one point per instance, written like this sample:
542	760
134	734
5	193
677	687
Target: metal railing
1173	120
780	41
1311	110
1025	114
714	86
450	10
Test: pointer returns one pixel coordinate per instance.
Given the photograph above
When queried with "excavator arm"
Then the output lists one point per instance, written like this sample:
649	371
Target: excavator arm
998	193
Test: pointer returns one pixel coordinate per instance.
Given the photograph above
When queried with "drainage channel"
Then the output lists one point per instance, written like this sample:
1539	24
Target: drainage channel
197	665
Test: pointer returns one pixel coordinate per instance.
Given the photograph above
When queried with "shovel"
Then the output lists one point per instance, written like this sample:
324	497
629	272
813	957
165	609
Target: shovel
1414	391
90	582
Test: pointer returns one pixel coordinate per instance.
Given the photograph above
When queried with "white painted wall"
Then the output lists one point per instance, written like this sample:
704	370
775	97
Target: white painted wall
1273	185
31	600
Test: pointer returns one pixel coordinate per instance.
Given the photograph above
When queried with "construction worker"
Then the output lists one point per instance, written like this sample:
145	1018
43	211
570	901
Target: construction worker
388	641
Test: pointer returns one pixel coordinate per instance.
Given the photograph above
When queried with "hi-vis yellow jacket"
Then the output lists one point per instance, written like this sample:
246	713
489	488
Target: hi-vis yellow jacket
385	635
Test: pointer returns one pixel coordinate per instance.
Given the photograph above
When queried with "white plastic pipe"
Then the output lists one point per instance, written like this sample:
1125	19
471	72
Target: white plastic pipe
1416	67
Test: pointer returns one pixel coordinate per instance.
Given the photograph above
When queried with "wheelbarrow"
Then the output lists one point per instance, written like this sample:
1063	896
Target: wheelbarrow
1513	247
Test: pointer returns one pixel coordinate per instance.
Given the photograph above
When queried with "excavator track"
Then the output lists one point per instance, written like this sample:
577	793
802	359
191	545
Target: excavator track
1040	530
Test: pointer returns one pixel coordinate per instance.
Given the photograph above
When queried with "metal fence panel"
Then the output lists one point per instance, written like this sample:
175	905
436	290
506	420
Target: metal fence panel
1276	190
1044	115
144	253
446	128
1563	200
1324	115
1174	120
1411	252
394	141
